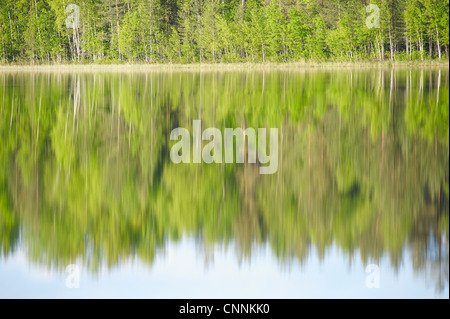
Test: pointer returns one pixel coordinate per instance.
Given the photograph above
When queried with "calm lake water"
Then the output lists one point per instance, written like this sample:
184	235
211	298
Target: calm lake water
363	179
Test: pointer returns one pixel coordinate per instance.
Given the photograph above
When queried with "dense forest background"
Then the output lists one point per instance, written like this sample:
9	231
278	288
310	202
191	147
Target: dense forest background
198	31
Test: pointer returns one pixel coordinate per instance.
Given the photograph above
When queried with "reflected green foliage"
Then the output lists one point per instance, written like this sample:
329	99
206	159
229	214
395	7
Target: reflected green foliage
363	165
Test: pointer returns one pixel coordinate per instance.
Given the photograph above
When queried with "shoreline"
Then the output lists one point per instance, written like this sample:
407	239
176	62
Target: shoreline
212	67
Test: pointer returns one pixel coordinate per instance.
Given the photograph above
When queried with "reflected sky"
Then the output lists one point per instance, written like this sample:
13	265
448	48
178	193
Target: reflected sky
184	271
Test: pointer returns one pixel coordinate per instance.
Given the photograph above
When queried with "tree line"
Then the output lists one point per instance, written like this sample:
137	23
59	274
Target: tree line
209	31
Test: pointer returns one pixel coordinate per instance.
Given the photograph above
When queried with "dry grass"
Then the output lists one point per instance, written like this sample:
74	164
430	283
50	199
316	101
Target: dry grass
217	66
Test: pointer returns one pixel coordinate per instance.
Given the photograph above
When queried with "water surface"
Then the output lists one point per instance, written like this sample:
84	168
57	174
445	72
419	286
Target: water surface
363	178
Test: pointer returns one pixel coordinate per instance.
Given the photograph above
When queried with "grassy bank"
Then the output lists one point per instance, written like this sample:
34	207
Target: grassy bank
217	66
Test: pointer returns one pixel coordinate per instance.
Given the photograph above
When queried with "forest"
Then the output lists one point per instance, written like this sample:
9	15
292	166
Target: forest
222	31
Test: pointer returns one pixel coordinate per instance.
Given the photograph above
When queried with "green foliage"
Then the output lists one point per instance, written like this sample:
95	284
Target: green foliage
197	31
